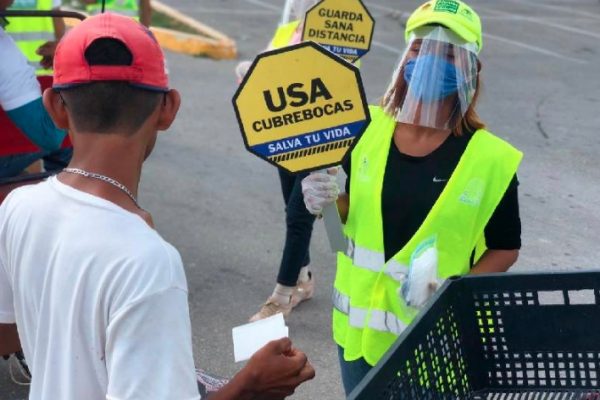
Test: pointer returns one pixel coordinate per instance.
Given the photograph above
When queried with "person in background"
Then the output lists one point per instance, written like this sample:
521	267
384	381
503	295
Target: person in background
295	282
140	10
37	37
430	192
21	99
94	296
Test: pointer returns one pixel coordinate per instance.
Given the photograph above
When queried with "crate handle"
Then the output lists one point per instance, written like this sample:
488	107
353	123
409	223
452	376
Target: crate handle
570	297
582	297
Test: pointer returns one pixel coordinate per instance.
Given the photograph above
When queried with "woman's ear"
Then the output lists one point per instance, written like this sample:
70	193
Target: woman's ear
56	107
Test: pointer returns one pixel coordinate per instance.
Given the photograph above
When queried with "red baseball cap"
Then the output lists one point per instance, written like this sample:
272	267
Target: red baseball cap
146	71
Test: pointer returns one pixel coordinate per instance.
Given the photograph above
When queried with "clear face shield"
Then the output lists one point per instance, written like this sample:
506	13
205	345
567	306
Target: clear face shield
295	9
435	80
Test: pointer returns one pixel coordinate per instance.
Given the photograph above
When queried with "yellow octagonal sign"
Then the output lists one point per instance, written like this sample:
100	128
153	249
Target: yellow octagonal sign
344	27
301	108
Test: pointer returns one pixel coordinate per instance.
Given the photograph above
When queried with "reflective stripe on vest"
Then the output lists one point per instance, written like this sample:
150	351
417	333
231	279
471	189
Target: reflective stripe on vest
375	261
379	320
369	312
31	33
30	36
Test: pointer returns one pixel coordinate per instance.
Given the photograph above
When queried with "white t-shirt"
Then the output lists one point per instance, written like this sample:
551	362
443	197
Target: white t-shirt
18	84
99	298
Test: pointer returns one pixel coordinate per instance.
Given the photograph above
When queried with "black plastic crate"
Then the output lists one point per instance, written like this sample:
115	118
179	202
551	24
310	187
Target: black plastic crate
498	337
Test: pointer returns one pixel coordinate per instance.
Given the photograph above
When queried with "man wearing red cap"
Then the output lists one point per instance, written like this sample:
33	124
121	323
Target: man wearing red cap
99	298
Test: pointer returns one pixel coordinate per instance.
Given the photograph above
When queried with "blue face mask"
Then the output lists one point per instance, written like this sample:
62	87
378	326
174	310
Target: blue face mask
431	78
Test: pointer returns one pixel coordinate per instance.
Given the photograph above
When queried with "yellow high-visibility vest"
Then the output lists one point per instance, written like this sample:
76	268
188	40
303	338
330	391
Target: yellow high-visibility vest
369	313
129	8
30	33
283	35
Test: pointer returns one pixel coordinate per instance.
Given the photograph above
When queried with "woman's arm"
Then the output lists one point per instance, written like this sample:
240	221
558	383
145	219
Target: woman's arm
145	12
343	201
59	27
502	234
343	205
495	261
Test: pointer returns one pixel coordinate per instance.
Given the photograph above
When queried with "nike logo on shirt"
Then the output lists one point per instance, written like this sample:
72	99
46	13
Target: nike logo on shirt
438	180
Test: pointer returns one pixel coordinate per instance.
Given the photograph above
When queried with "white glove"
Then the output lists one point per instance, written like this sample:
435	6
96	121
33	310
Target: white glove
320	189
242	69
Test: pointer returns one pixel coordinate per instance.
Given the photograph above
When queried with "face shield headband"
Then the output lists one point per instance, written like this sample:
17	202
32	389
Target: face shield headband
435	80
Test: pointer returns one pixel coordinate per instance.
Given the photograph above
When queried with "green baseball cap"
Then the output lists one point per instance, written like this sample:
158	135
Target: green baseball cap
453	14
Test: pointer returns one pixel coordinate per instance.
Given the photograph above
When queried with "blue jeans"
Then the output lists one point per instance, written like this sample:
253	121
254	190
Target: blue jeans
299	225
53	161
352	371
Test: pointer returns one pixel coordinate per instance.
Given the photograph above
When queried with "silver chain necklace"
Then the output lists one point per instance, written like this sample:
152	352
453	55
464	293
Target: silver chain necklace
103	178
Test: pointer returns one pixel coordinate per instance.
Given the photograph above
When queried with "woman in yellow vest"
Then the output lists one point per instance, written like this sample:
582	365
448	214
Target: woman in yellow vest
430	193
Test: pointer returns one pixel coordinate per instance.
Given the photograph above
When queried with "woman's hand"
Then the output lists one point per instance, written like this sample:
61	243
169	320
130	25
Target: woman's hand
319	190
242	69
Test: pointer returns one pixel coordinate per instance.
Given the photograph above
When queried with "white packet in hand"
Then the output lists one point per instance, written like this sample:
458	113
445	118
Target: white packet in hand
249	338
422	280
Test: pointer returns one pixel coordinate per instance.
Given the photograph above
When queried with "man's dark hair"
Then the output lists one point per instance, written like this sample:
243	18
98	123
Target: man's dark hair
111	106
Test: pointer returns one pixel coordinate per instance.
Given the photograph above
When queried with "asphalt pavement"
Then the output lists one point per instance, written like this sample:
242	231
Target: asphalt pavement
222	207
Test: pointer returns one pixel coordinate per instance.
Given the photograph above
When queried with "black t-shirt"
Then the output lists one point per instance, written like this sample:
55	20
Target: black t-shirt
411	186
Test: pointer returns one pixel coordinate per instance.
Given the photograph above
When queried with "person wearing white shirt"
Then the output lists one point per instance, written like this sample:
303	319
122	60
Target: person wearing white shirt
21	99
95	297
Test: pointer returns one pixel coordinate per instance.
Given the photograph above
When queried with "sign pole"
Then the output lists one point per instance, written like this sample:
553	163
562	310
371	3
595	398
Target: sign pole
333	227
287	9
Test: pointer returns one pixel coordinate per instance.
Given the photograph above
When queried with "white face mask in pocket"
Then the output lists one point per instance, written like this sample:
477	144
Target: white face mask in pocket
422	280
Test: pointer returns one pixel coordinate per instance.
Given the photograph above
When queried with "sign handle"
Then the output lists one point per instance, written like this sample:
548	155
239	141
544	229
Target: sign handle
333	226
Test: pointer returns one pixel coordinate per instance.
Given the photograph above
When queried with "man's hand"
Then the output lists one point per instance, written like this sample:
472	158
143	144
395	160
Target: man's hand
47	51
277	369
273	373
9	339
